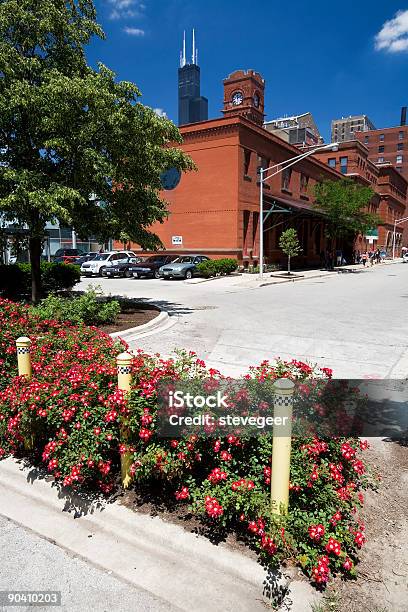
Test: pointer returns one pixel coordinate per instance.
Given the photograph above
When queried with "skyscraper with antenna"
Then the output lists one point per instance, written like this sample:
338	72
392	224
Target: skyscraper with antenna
192	106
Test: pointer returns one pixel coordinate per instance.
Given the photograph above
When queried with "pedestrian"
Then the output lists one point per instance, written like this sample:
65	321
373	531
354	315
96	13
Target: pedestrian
364	258
358	257
339	257
330	259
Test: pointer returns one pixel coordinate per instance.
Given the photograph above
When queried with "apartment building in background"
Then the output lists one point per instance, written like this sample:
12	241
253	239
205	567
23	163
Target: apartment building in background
345	129
388	145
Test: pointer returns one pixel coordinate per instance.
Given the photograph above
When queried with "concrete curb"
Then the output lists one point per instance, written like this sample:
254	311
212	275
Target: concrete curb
179	567
199	280
158	324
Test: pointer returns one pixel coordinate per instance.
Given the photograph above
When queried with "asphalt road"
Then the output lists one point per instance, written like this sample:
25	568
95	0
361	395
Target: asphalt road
354	323
28	562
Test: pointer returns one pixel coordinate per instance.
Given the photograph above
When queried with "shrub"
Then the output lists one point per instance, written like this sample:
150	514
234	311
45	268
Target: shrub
88	308
207	268
227	265
75	414
59	276
212	267
15	279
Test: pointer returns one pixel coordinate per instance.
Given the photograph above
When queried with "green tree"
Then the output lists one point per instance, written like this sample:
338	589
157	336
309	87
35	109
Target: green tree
344	204
76	145
289	243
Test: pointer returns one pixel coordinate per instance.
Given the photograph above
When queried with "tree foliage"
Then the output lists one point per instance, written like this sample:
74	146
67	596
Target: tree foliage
345	206
289	243
76	144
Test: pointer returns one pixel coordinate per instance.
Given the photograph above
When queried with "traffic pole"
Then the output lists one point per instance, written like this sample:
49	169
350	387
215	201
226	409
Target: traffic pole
124	364
283	406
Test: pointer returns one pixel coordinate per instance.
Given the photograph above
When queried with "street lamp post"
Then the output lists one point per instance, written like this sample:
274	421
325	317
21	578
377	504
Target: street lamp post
264	177
393	235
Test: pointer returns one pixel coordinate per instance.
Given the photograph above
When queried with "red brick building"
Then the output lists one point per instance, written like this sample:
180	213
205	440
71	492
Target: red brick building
215	211
352	160
389	145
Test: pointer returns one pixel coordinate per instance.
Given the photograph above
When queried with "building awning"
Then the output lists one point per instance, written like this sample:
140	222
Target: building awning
291	204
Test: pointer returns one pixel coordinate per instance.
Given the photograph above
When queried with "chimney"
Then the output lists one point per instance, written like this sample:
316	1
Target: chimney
403	115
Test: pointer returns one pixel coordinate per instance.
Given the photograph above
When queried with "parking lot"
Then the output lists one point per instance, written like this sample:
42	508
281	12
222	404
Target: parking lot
346	321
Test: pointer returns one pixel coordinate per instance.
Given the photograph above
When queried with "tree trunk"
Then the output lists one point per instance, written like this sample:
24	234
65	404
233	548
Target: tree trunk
288	264
35	259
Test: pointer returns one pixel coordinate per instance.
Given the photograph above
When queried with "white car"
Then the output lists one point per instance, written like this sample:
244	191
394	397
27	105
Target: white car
405	257
98	265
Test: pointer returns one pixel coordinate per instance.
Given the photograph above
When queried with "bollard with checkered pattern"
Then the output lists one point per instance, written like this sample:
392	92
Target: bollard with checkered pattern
24	357
124	363
283	403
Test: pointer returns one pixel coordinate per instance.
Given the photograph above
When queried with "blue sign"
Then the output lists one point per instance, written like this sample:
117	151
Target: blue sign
170	178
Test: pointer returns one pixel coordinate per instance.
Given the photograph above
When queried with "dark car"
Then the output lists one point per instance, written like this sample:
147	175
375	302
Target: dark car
123	268
67	255
78	261
182	267
150	266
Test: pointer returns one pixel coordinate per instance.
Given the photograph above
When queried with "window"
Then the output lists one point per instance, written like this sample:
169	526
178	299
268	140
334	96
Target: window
366	139
332	162
343	165
399	159
304	183
263	162
286	176
380	160
382	137
401	135
400	146
381	149
247	161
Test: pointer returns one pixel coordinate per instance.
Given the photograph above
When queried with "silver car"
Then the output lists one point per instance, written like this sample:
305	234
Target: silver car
182	267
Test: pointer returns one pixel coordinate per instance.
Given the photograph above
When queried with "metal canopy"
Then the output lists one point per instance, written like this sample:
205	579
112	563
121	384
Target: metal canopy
276	208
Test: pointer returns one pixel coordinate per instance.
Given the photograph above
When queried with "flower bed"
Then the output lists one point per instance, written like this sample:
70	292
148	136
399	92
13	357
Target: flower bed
68	416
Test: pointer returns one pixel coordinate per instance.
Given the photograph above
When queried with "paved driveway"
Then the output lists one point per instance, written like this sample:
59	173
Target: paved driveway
354	323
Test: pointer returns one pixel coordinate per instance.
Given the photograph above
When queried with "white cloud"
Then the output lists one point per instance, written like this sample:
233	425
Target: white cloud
125	9
133	31
160	112
393	36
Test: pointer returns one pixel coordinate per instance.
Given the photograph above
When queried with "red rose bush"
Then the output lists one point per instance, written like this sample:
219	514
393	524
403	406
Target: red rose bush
70	417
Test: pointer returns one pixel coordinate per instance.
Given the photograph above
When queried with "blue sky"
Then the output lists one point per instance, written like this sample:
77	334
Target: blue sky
330	58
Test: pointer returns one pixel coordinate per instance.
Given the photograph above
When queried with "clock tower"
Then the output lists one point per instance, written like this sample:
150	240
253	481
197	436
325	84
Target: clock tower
244	95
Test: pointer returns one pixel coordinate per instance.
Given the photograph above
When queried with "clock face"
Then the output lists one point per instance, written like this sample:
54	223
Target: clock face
256	100
237	98
170	178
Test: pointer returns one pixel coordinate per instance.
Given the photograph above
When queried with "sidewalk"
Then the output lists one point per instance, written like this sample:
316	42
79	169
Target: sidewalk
274	278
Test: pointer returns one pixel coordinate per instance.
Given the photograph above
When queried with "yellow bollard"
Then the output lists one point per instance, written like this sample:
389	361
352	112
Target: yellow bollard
124	362
283	404
24	357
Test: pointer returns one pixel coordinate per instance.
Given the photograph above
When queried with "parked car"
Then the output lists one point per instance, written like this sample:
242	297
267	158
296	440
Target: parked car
78	261
67	255
182	267
98	265
150	266
123	268
405	257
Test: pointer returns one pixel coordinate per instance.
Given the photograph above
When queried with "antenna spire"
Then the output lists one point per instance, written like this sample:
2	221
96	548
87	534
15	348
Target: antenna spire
193	56
183	52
